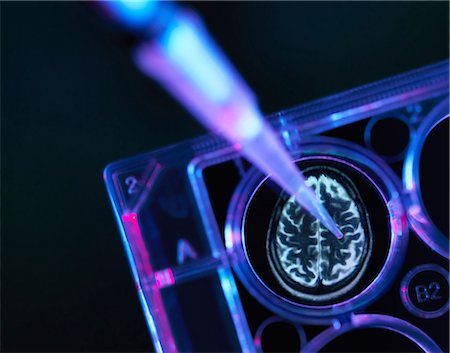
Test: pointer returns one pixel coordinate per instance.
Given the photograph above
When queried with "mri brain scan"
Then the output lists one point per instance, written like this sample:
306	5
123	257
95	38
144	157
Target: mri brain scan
308	260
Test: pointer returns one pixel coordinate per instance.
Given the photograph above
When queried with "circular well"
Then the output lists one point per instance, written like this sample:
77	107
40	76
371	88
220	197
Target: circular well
424	291
418	215
373	321
255	274
388	136
275	329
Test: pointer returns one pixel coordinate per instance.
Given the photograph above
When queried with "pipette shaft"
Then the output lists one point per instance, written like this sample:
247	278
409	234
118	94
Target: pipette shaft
185	60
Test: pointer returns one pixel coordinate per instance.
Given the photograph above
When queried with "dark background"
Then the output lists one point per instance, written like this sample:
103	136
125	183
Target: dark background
73	102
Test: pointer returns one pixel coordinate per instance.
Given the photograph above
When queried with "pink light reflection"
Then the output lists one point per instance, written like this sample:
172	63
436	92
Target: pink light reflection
164	278
152	294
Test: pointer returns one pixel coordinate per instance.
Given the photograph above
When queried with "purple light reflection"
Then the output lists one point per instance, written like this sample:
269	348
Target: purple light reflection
158	321
361	321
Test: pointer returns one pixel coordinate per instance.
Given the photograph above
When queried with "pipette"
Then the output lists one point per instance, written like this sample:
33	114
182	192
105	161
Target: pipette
177	51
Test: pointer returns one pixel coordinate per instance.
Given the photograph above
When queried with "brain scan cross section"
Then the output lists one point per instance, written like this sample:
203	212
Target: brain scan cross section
307	260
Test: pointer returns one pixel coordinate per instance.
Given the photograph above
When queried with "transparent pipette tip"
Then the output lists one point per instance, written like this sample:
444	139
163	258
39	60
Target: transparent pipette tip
328	222
308	200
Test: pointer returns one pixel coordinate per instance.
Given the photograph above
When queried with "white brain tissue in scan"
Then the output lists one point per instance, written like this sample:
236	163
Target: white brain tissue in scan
308	260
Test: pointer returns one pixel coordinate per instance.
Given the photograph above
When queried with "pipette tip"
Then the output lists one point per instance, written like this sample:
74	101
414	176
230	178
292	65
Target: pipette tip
306	197
337	232
329	223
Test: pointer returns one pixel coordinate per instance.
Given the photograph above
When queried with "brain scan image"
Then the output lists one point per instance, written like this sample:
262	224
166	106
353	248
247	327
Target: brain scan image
307	260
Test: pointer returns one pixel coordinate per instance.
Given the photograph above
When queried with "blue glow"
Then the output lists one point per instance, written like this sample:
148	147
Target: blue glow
193	52
408	173
232	297
132	13
249	124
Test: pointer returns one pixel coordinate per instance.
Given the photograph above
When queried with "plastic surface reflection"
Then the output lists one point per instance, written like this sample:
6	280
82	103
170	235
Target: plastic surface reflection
372	321
417	213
